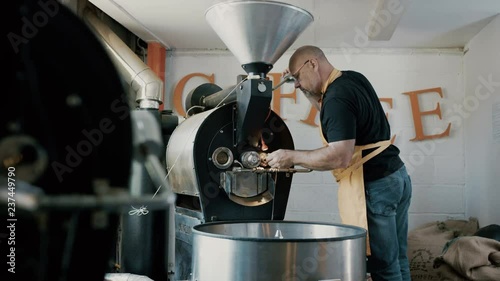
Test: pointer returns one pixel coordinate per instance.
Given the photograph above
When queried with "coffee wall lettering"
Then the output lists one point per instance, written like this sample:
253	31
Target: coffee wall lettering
278	95
179	90
417	114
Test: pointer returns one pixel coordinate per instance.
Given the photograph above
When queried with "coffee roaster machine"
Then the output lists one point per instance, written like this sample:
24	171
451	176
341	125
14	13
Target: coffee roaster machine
216	157
230	207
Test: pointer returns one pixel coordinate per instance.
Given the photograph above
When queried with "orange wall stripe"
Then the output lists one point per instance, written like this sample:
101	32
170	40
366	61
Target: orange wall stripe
156	61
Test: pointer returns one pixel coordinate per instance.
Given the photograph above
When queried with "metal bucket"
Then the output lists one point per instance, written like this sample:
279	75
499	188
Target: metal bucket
278	250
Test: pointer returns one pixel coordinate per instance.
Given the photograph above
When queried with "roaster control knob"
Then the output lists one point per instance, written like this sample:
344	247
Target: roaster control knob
250	159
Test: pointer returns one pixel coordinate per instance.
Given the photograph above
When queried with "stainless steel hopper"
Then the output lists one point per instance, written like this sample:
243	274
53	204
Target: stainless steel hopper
257	32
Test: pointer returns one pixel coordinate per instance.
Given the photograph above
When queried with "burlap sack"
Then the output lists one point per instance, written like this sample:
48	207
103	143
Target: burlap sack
426	242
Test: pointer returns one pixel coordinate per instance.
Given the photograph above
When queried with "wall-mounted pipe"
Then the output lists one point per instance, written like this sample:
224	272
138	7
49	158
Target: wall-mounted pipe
144	83
138	236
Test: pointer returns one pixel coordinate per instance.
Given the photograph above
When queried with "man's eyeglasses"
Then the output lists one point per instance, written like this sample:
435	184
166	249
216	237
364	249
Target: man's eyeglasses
291	77
295	76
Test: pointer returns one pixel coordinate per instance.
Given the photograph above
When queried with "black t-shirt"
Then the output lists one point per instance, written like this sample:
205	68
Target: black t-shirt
351	110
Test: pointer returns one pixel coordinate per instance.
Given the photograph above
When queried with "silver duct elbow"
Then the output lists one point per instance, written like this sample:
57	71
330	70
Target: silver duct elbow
143	82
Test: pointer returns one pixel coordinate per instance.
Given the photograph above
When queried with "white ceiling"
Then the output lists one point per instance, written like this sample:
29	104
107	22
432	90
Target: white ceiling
180	24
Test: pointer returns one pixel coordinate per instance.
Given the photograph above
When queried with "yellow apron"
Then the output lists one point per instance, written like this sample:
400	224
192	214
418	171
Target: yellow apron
351	194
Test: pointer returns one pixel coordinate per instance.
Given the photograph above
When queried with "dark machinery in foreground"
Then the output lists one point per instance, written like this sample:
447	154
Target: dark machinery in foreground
75	155
216	157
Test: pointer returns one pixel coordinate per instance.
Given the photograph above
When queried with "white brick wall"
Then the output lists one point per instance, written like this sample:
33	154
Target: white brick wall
482	147
437	167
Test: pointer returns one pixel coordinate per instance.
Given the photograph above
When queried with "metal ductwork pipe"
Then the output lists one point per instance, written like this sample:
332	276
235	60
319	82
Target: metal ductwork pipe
226	95
143	82
143	240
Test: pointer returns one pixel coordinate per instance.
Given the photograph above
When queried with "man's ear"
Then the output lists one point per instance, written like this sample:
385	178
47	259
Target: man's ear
315	64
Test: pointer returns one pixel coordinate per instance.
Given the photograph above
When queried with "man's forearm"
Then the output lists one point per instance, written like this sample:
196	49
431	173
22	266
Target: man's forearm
322	159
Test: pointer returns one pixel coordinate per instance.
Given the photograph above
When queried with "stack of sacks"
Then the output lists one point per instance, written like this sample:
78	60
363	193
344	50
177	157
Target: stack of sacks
474	257
426	243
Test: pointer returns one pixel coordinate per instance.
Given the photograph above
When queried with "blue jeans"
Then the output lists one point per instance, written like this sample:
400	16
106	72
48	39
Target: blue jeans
387	203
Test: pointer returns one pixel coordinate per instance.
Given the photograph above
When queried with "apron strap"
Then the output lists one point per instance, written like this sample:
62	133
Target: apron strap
382	145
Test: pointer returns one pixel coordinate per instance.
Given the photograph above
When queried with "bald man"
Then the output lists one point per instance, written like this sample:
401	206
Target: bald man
358	151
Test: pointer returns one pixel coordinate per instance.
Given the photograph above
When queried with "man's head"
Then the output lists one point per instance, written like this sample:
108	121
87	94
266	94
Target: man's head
310	68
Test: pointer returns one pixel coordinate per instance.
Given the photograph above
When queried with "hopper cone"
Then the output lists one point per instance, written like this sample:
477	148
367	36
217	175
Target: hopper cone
257	32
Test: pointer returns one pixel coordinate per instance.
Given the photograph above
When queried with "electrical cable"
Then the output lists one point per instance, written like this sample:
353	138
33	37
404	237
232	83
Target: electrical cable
192	107
230	92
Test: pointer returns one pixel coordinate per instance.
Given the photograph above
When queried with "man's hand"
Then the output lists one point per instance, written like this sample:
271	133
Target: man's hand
281	158
285	72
